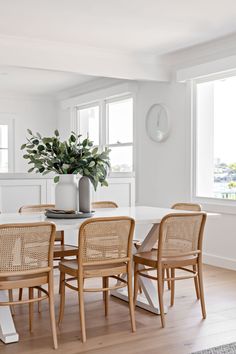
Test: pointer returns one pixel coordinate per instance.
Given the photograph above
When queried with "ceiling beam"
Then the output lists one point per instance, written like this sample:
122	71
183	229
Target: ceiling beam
41	54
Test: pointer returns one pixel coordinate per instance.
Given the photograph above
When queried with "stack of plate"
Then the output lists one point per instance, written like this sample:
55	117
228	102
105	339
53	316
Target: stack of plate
67	214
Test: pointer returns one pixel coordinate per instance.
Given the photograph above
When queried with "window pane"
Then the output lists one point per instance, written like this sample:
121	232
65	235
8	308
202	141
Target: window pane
4	136
121	159
120	121
216	143
3	161
88	123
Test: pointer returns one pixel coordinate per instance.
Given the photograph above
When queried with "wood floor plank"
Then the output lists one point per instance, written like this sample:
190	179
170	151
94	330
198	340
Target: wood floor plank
185	330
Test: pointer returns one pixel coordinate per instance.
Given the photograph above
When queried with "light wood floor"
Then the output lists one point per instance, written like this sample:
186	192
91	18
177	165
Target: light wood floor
185	330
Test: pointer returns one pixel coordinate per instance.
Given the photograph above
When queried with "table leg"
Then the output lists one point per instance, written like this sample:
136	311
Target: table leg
8	332
148	300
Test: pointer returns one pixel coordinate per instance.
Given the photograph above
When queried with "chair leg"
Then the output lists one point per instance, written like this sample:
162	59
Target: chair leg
106	294
20	294
103	286
172	296
62	297
81	308
196	283
59	290
52	310
136	285
130	295
31	309
160	295
10	295
201	290
168	276
39	303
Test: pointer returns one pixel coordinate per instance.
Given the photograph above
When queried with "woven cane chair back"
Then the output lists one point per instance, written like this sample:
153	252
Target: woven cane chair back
187	206
181	234
40	208
104	204
26	247
114	237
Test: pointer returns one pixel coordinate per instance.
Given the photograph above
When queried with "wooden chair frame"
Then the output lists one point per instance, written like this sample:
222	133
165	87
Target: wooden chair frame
191	207
104	204
180	261
187	206
32	279
111	271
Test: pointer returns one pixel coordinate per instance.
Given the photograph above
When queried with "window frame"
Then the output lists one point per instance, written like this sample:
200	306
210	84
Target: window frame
213	203
9	121
104	126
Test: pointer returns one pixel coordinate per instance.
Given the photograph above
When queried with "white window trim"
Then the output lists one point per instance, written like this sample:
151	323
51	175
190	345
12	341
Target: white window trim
5	119
105	96
209	204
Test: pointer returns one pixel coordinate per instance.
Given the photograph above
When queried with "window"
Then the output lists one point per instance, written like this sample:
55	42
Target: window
110	123
215	148
6	143
120	134
3	148
88	123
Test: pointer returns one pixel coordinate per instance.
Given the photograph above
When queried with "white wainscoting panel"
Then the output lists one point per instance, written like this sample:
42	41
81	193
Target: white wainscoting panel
17	192
24	189
120	190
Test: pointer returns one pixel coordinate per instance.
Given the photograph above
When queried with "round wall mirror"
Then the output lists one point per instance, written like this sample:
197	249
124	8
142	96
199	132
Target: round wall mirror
157	123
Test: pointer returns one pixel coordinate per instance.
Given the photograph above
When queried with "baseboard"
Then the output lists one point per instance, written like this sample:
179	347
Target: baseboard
218	261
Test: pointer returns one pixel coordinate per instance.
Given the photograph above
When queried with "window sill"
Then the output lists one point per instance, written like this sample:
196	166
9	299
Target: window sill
121	174
216	205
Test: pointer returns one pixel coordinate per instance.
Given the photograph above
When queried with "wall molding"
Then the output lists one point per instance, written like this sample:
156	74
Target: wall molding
103	93
219	261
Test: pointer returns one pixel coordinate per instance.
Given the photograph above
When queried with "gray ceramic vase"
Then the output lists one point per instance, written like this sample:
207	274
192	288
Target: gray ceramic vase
84	194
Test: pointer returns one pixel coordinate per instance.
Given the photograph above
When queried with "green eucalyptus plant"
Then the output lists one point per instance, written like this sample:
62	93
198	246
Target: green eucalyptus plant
50	154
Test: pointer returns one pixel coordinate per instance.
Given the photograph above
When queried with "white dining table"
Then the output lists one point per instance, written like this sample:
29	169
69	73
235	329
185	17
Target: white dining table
143	215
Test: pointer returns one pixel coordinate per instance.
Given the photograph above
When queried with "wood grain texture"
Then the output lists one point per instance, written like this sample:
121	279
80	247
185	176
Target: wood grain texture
185	332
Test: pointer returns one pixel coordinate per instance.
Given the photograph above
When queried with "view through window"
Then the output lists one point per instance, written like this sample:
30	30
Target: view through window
216	138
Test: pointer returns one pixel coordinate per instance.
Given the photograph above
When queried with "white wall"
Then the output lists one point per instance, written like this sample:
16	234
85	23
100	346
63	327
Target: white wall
161	168
34	113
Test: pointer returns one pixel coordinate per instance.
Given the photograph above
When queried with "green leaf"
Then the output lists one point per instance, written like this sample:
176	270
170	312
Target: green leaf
41	148
104	183
95	150
26	156
31	169
91	164
29	131
72	138
56	132
56	179
35	141
23	147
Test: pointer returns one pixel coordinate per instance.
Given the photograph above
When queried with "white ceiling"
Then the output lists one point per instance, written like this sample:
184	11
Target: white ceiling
27	81
145	26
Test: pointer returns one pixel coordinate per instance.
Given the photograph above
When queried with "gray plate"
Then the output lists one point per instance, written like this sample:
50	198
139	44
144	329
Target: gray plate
78	215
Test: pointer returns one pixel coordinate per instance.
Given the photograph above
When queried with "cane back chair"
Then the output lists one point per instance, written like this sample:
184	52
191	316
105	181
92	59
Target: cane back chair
106	262
190	207
26	261
60	250
104	204
179	246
